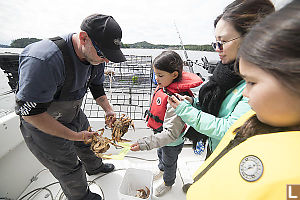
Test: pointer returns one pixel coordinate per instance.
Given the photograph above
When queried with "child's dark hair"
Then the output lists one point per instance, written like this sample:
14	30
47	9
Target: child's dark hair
169	61
277	53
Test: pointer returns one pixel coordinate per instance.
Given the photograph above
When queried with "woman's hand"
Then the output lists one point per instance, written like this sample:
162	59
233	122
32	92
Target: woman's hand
135	147
189	99
175	99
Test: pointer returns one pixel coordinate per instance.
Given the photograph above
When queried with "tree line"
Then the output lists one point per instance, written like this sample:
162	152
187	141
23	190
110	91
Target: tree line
23	42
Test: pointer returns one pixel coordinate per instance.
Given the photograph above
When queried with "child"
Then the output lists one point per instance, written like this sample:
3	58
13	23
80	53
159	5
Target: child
168	128
259	156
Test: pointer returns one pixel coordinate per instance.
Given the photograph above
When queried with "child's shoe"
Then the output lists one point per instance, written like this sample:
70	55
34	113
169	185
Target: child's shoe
162	189
157	175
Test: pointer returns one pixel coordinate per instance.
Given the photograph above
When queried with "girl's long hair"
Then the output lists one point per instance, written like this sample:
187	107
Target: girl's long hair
273	45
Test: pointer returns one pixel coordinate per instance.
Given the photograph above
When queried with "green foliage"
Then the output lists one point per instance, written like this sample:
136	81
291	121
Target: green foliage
23	42
147	45
134	79
125	45
199	47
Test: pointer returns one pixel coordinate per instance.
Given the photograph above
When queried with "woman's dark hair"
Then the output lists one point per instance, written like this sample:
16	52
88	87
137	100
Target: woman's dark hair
274	46
169	61
243	14
217	20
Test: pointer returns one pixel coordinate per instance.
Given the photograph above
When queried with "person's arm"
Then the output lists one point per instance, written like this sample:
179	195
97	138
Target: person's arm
101	99
209	124
48	124
106	106
104	103
172	128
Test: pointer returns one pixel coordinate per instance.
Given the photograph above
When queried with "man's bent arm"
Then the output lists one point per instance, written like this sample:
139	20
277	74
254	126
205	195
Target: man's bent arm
104	103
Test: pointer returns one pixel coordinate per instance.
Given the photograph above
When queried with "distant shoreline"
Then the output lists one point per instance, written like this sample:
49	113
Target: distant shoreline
23	42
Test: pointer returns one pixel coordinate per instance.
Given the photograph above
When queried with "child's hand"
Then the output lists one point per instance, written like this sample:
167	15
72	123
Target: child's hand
135	147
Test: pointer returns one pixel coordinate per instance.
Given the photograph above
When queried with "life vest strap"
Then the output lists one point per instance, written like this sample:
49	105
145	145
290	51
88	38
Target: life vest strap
64	92
158	130
156	118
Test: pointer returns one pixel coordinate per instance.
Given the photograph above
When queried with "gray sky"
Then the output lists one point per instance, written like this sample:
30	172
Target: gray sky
140	20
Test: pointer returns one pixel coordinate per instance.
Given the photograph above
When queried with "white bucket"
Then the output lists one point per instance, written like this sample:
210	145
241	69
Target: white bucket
133	180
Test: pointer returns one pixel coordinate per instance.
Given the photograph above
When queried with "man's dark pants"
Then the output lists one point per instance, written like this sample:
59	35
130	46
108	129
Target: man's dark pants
60	156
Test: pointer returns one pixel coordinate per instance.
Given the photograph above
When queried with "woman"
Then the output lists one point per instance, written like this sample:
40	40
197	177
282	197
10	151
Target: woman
260	158
220	101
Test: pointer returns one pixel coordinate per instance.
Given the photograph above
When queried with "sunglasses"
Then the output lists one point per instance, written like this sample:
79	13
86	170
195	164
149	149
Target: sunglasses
220	44
99	53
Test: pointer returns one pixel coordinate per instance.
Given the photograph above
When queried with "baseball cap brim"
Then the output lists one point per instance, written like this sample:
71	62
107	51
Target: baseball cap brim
114	55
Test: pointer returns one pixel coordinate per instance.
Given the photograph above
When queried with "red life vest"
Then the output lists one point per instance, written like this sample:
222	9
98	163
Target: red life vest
158	106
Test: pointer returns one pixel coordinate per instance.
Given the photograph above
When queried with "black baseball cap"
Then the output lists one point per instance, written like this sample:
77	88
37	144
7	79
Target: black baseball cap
107	35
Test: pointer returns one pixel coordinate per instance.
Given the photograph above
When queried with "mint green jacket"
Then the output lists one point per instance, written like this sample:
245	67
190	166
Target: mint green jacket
232	108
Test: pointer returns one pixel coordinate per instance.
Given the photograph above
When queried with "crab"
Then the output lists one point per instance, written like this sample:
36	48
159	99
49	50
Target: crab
99	144
109	73
141	193
120	127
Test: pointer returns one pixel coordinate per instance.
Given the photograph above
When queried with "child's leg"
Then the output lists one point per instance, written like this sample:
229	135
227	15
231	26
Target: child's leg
169	159
160	164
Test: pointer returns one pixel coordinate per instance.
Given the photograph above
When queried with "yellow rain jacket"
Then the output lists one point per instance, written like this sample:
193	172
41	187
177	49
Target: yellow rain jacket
257	169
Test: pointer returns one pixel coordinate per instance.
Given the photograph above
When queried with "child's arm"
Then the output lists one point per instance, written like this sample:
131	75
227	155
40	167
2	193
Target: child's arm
172	128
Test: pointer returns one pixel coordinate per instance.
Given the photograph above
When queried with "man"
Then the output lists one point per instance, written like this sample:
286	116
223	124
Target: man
54	76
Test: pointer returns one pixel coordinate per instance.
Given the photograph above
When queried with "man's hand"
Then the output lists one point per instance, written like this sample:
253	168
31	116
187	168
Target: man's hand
83	136
110	118
135	147
46	123
110	115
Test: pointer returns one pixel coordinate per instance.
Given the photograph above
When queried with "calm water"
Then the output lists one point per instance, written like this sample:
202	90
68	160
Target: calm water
7	101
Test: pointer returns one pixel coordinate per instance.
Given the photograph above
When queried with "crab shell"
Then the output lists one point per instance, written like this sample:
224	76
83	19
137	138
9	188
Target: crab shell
100	147
100	144
141	193
120	127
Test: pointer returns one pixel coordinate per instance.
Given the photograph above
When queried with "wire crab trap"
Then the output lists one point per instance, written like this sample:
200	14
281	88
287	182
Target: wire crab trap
9	63
128	86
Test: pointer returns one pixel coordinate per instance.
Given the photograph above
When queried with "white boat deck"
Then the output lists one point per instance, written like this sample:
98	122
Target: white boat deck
23	177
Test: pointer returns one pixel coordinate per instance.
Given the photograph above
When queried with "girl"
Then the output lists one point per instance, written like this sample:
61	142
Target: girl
168	128
258	157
